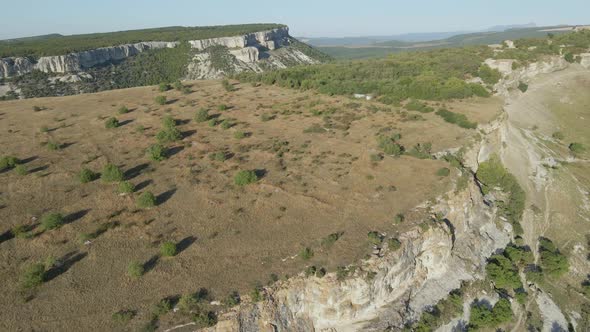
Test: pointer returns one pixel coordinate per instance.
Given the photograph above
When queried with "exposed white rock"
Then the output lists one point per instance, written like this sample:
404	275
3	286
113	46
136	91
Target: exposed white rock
585	60
74	62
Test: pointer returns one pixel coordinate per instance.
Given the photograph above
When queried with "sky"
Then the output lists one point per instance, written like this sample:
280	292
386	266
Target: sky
306	18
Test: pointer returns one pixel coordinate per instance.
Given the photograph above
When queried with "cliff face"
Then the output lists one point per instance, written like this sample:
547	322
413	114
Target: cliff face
392	288
75	62
245	50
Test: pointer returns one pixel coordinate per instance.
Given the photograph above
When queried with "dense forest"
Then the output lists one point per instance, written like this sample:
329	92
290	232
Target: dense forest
429	75
58	45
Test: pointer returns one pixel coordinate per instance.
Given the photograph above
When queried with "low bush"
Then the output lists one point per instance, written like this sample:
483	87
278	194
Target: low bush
126	187
218	156
161	100
21	232
53	146
399	218
553	262
178	86
306	253
239	135
375	238
34	275
233	299
8	162
202	115
87	175
321	272
329	240
123	316
523	87
576	148
226	124
456	118
168	122
245	177
227	86
112	173
484	317
443	172
266	117
415	105
168	135
135	269
21	170
52	221
163	87
168	249
123	110
146	200
212	122
394	244
111	122
156	152
222	107
163	307
389	145
558	135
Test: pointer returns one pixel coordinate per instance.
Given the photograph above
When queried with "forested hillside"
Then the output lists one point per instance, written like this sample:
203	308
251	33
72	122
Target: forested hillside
57	44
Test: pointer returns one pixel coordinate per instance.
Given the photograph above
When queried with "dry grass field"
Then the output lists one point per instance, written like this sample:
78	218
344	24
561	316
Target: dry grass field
319	173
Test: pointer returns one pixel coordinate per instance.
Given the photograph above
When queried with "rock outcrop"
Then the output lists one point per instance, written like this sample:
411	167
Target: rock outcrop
388	291
75	62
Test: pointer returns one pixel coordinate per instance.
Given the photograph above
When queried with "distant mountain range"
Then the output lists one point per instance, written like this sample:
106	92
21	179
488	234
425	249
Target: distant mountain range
370	47
406	37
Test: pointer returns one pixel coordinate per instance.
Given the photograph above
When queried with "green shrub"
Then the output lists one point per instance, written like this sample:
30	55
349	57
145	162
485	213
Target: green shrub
482	317
34	275
167	135
146	200
222	107
266	117
226	124
123	110
489	75
389	145
111	122
443	172
178	86
256	294
168	122
503	273
135	269
553	262
558	135
306	253
492	174
218	156
341	273
21	232
569	57
399	218
123	316
202	115
227	86
415	105
212	122
394	244
315	129
576	148
310	271
245	177
329	240
456	118
523	87
21	170
421	151
375	238
163	87
87	175
321	272
156	152
8	162
163	307
161	100
168	249
126	187
52	221
239	135
187	303
53	146
37	108
111	173
233	299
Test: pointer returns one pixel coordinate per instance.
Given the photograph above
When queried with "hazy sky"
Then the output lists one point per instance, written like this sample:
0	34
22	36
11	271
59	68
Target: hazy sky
310	18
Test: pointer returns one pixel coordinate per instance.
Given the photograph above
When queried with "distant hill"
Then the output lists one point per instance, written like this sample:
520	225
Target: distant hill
379	49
